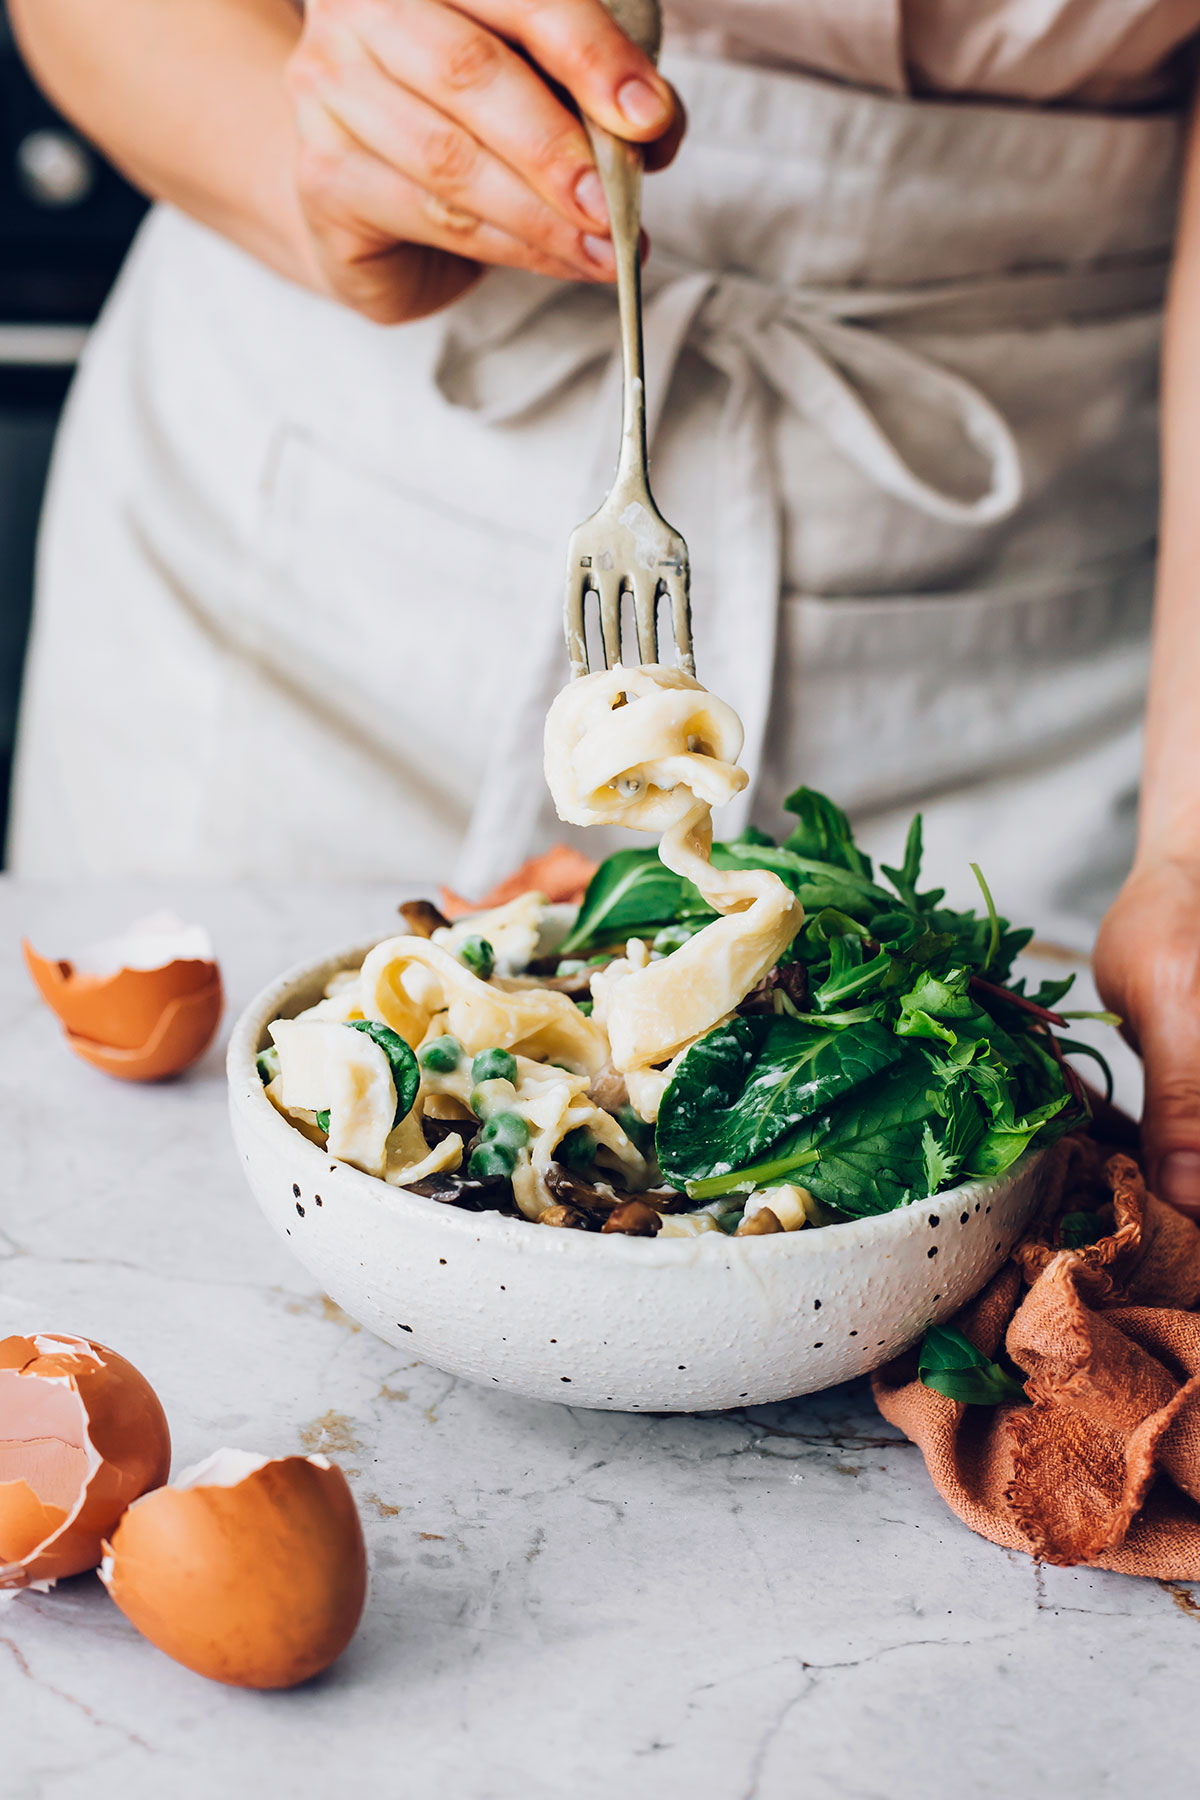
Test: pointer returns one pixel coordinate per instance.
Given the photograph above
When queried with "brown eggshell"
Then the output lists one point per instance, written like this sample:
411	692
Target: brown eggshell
185	1029
82	1435
258	1584
139	1024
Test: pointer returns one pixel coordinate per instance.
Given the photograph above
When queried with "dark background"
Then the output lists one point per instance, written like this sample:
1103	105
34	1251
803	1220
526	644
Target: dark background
66	220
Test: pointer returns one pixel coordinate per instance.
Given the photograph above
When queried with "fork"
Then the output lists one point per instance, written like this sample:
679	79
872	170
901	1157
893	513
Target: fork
627	547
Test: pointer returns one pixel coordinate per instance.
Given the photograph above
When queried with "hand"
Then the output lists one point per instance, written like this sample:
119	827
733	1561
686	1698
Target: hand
1147	967
431	141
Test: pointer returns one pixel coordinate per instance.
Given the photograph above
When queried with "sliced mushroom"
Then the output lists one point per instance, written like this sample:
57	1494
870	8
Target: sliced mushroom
608	1089
566	1216
437	1130
634	1218
570	1189
422	917
462	1190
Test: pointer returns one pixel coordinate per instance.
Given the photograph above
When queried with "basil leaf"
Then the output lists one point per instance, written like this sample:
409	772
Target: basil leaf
406	1075
950	1364
741	1087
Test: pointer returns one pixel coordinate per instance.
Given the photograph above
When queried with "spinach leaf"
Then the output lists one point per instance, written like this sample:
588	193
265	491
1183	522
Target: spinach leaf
631	892
743	1086
864	1154
406	1075
950	1364
822	833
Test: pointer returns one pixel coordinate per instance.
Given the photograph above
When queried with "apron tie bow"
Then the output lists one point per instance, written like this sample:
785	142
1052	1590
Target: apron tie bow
519	342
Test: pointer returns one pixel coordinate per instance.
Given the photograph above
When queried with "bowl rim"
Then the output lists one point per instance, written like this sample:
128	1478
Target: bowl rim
246	1094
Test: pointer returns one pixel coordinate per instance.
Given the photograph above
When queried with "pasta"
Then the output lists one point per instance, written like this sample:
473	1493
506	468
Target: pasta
553	1089
650	749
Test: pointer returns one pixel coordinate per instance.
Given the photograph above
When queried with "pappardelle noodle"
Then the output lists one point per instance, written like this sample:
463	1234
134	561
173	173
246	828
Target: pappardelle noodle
745	1037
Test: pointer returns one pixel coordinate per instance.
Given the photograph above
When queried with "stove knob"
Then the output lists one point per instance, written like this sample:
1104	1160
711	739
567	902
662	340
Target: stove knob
55	169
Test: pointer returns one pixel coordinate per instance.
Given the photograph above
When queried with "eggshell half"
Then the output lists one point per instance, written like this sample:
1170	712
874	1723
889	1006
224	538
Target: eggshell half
139	1024
249	1570
82	1435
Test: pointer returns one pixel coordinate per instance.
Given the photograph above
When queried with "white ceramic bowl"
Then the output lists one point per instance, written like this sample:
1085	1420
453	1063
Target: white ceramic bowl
635	1324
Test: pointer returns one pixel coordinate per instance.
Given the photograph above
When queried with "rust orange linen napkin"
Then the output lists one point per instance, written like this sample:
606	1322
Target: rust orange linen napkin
1103	1466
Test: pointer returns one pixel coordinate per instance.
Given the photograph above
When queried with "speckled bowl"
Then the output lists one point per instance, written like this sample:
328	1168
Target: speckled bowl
635	1324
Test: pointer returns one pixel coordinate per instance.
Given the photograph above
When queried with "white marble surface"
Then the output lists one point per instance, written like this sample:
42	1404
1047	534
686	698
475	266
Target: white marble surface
754	1606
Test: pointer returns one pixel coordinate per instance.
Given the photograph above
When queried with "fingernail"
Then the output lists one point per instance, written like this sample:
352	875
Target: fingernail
1179	1180
600	251
641	105
589	196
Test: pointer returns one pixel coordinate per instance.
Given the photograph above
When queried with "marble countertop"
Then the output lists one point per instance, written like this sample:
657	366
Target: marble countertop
747	1606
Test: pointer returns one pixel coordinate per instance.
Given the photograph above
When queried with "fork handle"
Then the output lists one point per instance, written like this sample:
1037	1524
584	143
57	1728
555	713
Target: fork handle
620	168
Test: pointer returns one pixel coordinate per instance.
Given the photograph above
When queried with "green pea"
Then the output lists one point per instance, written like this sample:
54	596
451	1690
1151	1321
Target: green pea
585	1007
577	1149
323	1122
492	1097
489	1161
506	1128
479	957
494	1065
267	1064
442	1056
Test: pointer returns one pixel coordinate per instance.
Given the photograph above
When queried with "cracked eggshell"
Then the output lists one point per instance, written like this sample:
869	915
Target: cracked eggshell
248	1569
82	1434
149	1005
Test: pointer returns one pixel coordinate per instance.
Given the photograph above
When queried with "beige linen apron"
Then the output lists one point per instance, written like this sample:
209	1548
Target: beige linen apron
301	576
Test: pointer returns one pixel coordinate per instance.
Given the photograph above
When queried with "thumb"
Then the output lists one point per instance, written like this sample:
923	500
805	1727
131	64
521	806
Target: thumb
1171	1116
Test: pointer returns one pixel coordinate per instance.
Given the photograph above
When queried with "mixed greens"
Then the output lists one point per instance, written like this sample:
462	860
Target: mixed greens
885	1058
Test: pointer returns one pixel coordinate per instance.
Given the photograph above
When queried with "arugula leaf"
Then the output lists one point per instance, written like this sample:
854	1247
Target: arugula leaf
905	878
932	1001
950	1364
631	892
1076	1047
848	973
819	884
993	943
740	1088
823	833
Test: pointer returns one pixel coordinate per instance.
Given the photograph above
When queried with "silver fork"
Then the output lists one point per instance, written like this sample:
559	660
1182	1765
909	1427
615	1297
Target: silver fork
627	547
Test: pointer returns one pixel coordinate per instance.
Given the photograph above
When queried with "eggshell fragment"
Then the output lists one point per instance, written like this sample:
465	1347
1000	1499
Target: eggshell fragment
139	1018
247	1569
561	874
82	1435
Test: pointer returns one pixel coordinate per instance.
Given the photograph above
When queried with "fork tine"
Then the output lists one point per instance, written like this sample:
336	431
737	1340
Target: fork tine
676	589
645	613
579	586
609	584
